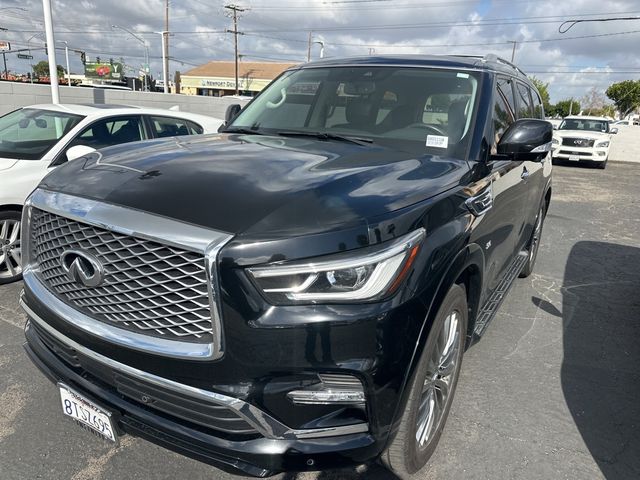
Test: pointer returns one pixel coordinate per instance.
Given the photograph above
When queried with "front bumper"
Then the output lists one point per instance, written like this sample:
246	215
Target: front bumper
254	455
591	154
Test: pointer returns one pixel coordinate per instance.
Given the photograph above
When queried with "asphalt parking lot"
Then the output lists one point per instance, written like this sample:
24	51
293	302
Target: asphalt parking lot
552	391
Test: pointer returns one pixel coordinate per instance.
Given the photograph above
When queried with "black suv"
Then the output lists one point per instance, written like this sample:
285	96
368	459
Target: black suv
296	292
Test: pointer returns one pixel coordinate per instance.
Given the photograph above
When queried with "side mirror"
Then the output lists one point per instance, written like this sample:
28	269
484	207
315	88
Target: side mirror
78	151
526	140
232	112
614	130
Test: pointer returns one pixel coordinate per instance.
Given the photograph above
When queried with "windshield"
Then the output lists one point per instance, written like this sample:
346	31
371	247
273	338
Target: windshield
419	108
585	124
29	133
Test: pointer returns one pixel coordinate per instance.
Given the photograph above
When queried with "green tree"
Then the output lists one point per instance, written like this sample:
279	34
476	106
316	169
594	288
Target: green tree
565	107
543	89
41	69
626	96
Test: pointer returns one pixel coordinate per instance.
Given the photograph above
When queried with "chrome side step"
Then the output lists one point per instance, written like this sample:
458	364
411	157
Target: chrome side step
490	307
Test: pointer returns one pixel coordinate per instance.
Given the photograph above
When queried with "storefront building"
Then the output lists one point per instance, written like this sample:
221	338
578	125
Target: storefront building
216	79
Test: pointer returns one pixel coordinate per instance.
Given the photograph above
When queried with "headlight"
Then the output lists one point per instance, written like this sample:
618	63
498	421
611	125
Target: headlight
555	141
602	144
363	275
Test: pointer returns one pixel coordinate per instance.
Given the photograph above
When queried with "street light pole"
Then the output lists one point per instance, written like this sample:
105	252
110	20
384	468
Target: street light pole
51	51
146	52
164	61
66	56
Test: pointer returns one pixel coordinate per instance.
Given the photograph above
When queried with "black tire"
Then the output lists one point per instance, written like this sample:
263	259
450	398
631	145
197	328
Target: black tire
404	456
602	165
12	271
534	244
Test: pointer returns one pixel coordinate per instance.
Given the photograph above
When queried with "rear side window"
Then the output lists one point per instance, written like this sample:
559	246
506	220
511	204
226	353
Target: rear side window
194	128
525	108
171	127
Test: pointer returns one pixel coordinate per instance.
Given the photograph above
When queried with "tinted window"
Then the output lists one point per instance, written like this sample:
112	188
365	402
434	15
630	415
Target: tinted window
171	127
194	128
538	110
525	108
505	87
29	133
502	118
111	131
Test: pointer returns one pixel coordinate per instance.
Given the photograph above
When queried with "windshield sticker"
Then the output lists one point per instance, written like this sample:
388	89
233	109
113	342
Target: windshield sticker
437	141
462	75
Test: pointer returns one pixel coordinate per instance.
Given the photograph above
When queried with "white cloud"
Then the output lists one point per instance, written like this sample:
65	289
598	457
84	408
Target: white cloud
342	26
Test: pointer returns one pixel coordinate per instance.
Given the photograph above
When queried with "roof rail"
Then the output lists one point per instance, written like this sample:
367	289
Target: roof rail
492	57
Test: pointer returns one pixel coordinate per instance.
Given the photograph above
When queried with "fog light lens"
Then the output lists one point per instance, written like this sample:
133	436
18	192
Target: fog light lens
332	389
602	154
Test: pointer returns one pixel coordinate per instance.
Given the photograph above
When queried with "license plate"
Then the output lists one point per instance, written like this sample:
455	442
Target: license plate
574	158
86	413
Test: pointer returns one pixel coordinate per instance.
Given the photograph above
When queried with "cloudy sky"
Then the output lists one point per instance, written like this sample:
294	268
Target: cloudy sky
590	54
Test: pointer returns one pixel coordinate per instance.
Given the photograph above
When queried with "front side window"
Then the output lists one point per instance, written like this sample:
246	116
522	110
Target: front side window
111	131
29	133
538	109
502	118
408	108
525	108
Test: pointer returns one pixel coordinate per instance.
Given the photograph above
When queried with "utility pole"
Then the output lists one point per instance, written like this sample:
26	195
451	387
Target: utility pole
309	46
235	9
165	47
513	52
4	58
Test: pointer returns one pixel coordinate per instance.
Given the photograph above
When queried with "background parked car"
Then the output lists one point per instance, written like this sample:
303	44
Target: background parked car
35	139
583	139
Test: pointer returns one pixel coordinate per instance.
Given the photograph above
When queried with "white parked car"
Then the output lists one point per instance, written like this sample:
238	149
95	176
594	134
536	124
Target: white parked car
583	139
35	139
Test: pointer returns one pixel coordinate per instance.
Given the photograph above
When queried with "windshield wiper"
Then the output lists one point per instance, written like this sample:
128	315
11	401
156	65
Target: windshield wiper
245	130
326	136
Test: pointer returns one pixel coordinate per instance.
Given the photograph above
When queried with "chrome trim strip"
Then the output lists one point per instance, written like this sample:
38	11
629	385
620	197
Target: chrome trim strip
128	221
261	421
143	225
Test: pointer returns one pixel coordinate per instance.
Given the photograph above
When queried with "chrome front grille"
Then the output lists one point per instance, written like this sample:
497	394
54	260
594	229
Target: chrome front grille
148	287
577	142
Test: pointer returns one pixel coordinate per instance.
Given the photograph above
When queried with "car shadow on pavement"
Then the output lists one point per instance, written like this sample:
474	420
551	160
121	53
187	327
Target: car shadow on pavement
601	366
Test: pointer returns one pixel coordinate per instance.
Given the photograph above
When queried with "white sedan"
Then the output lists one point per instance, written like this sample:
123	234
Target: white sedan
35	139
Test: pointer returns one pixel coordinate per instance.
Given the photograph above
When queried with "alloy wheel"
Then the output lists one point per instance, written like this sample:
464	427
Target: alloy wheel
10	254
441	375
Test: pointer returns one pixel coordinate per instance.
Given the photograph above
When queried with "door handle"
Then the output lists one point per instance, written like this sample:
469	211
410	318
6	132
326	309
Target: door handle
525	174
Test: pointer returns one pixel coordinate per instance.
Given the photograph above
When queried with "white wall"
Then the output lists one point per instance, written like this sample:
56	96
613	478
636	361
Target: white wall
14	95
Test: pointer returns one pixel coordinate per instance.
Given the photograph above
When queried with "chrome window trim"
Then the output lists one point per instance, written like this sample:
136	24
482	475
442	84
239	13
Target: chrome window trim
268	426
140	224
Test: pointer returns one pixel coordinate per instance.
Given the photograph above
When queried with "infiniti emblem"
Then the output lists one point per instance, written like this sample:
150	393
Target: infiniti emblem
82	267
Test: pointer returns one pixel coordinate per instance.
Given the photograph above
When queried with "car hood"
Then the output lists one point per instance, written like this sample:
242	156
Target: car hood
7	163
261	184
580	134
